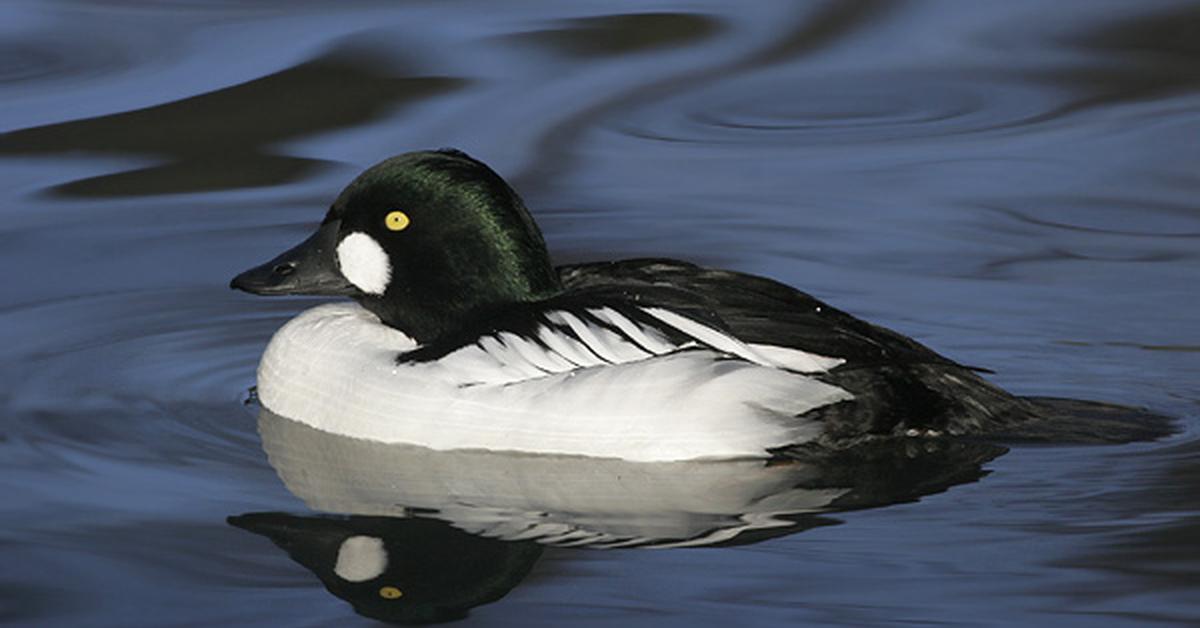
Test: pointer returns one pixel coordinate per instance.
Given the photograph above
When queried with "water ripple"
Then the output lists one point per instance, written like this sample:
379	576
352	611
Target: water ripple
161	379
23	61
226	138
1013	183
773	110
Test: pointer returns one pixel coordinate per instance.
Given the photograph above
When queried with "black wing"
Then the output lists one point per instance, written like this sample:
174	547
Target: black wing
898	384
596	325
758	310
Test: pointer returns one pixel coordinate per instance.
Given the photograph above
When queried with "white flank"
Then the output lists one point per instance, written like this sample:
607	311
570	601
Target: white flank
334	368
361	558
364	263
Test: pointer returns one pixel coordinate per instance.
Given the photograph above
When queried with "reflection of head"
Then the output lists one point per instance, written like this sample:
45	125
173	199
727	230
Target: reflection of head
412	571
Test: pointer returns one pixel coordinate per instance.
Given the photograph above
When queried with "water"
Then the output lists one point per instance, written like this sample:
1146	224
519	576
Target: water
1012	183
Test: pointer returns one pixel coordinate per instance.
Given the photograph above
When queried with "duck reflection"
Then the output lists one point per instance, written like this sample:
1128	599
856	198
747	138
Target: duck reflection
433	533
413	571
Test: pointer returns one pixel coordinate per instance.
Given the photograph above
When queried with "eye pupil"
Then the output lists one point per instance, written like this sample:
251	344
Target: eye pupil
396	221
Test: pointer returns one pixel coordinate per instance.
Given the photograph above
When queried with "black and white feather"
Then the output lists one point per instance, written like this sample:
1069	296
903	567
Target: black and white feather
562	339
616	378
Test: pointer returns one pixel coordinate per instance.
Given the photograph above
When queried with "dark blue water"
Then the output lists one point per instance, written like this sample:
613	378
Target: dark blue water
1015	184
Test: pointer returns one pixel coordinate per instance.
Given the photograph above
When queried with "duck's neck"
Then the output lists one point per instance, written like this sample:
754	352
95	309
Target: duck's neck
435	318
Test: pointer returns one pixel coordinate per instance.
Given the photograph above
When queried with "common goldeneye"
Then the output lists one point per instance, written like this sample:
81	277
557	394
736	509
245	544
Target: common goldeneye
461	334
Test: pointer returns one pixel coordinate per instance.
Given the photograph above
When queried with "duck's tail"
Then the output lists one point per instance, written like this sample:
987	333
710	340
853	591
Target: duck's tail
930	400
1075	421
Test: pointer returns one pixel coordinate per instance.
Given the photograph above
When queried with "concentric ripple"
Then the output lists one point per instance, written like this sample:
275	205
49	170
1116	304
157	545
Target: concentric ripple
779	108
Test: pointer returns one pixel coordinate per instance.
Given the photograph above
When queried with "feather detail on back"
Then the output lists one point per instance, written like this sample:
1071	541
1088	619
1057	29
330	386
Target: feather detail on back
563	339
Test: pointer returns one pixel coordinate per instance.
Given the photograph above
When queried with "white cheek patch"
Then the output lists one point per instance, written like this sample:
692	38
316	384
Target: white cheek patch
361	558
364	263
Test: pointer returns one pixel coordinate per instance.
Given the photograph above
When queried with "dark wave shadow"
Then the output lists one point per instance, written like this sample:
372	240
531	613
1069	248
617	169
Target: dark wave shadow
1146	57
612	35
826	25
226	138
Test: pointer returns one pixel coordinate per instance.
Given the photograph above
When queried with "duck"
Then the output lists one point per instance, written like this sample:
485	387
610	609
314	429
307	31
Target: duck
456	331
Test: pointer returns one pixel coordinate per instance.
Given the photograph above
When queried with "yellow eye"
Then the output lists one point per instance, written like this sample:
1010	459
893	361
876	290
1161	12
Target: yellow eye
390	593
396	221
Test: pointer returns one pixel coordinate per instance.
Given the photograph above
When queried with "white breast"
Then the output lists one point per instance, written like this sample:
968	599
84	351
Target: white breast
579	392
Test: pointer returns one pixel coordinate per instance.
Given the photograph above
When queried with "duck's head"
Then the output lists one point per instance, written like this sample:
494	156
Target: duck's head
422	240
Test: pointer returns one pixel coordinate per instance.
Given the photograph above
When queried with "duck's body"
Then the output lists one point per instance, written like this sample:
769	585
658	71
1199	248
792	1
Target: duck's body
576	385
464	337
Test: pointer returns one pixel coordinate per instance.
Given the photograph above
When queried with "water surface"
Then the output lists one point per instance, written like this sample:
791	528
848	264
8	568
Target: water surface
1014	184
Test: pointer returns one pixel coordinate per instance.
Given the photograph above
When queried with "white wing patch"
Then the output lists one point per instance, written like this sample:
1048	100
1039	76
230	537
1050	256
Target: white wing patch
654	343
603	343
566	341
563	342
794	359
765	355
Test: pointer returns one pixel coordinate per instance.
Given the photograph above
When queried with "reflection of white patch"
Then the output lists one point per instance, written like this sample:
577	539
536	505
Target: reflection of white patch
361	558
364	263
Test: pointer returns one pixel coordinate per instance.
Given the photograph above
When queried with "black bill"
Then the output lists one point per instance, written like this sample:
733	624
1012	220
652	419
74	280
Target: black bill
307	268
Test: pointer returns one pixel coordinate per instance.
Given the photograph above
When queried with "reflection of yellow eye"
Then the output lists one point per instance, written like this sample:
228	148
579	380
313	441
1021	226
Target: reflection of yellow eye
396	221
390	593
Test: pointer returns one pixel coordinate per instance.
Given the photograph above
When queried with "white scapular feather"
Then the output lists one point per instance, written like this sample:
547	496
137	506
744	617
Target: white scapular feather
569	348
642	335
600	341
766	355
334	367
